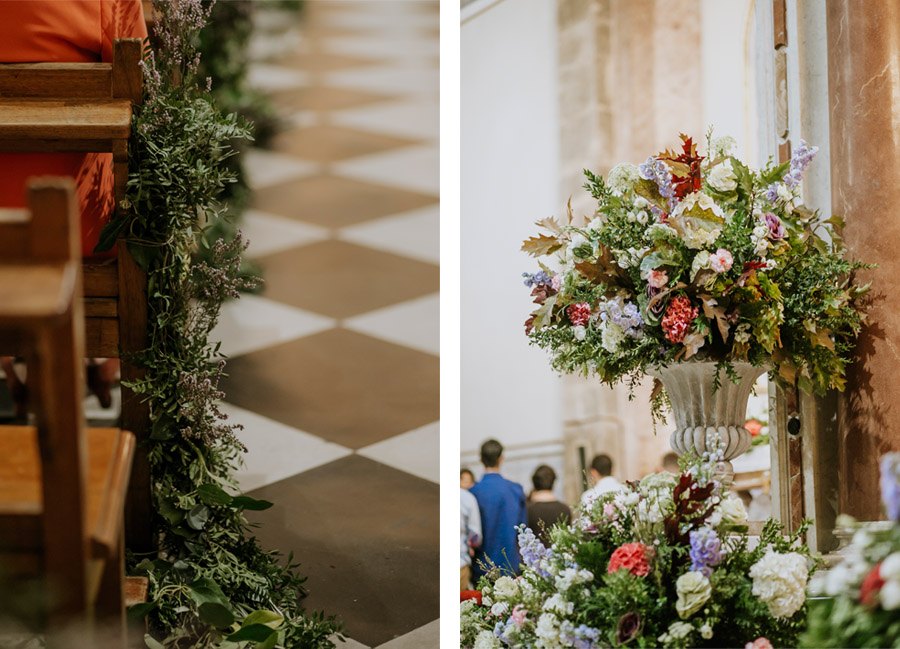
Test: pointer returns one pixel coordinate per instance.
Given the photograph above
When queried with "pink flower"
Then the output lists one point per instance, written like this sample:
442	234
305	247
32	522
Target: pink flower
579	313
678	318
721	260
632	557
759	643
556	282
609	510
657	278
518	615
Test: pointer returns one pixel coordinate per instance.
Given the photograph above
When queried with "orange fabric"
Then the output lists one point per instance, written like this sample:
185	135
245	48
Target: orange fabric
70	31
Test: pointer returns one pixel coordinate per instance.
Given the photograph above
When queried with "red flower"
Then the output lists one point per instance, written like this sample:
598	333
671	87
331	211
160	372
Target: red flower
632	557
470	594
871	585
753	426
579	313
678	318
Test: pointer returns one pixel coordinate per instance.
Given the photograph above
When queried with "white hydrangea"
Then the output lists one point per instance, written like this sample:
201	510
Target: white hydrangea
699	200
649	511
697	235
779	580
579	332
722	146
611	337
722	177
622	178
486	640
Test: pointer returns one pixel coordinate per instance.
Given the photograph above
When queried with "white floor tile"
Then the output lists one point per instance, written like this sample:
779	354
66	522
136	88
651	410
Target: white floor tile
415	168
389	80
416	452
268	233
413	234
272	78
425	637
276	451
253	322
266	168
416	117
413	324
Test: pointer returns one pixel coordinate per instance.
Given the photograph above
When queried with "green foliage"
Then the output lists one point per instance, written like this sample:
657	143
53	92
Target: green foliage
211	584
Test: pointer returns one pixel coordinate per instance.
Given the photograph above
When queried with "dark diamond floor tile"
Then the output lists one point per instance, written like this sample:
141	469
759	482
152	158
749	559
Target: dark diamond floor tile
341	279
335	201
325	98
366	535
326	143
345	387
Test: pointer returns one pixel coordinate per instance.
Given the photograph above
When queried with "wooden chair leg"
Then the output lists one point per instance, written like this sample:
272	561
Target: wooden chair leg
110	610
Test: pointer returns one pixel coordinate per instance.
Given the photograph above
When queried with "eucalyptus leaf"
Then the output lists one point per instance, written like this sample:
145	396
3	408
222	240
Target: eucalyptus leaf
197	517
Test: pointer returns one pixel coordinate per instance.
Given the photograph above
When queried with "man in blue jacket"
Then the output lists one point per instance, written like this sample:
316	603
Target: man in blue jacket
502	505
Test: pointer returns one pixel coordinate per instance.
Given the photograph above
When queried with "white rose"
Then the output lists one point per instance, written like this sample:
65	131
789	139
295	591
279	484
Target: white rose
722	177
693	592
558	605
890	567
733	510
506	588
890	596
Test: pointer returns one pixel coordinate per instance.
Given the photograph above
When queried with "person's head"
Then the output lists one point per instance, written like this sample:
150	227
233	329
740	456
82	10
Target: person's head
491	454
670	463
543	478
601	466
466	478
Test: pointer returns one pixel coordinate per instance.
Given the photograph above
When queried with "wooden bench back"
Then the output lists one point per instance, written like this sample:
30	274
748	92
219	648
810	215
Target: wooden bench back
119	80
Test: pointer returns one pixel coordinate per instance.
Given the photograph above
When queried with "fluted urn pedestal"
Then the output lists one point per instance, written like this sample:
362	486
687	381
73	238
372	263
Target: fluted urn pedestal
709	419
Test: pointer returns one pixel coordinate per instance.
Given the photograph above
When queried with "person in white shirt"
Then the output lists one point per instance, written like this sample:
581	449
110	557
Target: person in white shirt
602	479
469	535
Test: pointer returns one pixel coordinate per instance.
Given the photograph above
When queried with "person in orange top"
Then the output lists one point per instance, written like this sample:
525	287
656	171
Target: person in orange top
74	31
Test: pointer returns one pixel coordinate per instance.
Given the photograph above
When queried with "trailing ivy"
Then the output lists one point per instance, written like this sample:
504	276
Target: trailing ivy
211	584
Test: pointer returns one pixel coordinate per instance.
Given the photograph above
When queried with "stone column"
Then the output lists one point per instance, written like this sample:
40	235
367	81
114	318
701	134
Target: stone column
864	93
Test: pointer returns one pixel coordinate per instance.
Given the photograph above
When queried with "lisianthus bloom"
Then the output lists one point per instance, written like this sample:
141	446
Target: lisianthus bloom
776	228
759	643
721	260
871	585
694	591
579	313
657	278
632	557
678	318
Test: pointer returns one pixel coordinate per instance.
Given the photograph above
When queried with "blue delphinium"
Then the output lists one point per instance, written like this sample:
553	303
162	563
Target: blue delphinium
706	550
658	172
533	551
537	279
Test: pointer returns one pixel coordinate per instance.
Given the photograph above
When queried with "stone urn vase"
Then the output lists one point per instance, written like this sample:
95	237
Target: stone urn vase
709	419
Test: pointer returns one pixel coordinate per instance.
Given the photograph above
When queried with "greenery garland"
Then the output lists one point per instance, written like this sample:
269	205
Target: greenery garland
211	585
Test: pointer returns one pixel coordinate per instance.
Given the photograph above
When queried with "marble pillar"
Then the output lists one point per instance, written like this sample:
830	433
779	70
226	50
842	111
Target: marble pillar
864	104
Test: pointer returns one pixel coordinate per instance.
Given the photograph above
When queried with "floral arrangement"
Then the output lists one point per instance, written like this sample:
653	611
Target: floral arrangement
664	562
857	602
697	256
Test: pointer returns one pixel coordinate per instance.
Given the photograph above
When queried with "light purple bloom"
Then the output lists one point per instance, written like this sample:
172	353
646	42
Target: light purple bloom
800	160
626	315
582	637
706	550
890	485
537	279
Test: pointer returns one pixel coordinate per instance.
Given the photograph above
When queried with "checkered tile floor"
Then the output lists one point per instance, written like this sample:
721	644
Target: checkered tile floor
333	370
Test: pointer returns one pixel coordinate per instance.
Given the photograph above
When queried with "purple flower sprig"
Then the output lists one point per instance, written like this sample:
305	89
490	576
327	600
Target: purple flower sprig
800	160
533	551
657	171
706	550
539	278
